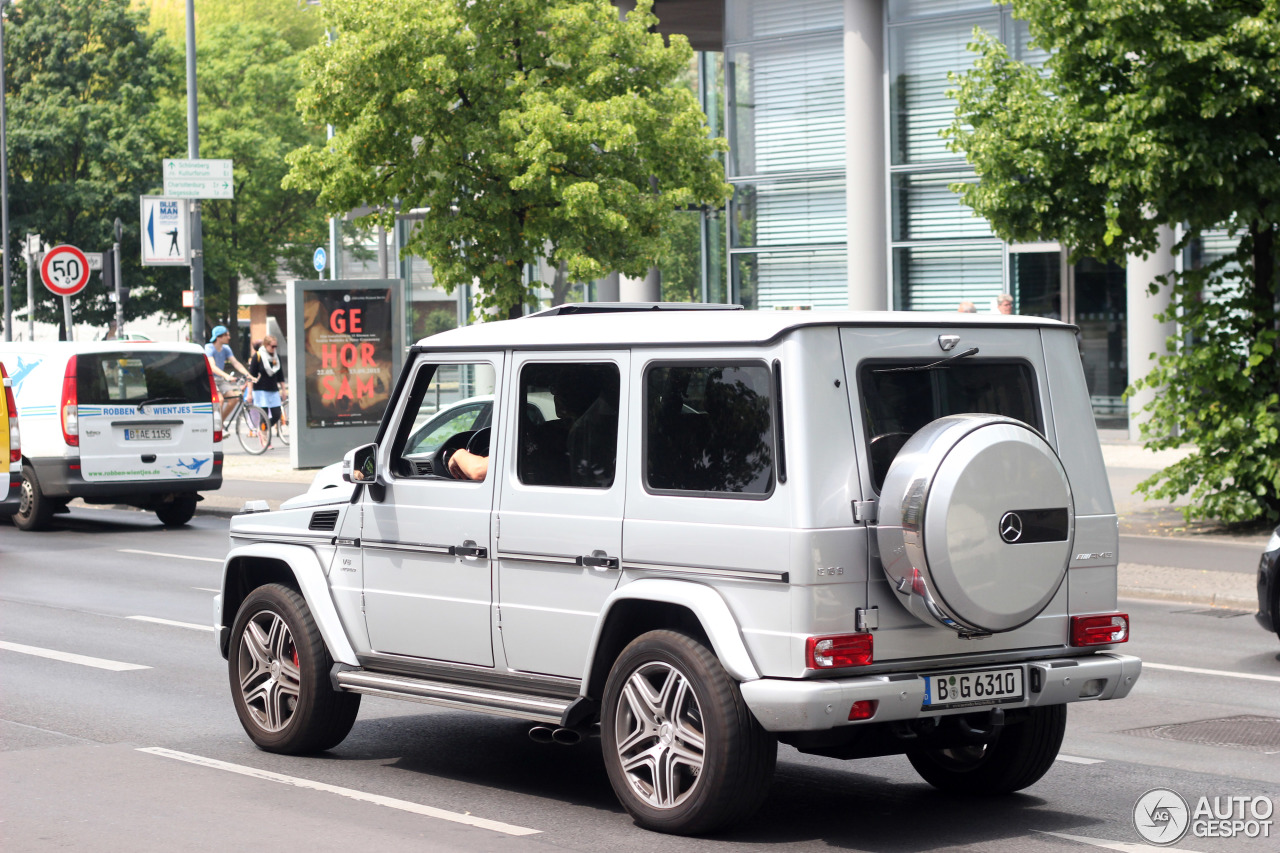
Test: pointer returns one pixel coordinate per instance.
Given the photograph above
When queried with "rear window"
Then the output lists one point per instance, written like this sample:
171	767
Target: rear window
134	376
898	401
709	429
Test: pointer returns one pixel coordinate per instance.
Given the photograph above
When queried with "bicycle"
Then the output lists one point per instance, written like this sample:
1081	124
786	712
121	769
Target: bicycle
250	424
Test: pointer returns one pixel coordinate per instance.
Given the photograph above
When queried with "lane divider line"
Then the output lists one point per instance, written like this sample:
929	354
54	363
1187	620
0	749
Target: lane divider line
172	556
68	657
1075	759
362	796
189	625
1121	846
1222	672
205	589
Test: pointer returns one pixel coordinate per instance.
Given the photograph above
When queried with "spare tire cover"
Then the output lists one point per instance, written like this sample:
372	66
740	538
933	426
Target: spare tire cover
976	523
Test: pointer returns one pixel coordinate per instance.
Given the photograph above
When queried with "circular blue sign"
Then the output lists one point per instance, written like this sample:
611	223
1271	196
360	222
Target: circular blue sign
320	259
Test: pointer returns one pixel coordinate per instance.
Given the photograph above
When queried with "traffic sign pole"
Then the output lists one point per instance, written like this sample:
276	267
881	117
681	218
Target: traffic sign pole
193	151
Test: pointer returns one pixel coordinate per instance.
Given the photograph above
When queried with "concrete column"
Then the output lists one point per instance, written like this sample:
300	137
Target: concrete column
647	289
1146	335
865	121
607	288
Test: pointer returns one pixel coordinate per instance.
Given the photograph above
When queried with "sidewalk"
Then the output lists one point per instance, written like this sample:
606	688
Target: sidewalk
270	477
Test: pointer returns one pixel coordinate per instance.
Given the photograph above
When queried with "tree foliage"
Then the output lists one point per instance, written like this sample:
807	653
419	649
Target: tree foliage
292	21
1148	113
82	80
525	129
248	82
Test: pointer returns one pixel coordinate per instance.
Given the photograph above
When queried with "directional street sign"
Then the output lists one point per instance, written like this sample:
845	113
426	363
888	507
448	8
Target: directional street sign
198	179
65	270
95	261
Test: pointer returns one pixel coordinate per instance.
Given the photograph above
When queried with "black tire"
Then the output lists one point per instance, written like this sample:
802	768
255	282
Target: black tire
1022	753
248	427
34	509
283	708
178	511
737	756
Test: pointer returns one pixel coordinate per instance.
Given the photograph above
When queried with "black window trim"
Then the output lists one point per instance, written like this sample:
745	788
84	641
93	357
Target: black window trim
774	412
869	364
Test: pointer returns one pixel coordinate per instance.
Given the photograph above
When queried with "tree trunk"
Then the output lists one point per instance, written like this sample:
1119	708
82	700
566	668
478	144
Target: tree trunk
560	284
233	312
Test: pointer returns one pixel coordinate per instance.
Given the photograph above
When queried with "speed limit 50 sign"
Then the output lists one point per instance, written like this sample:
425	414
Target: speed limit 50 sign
65	270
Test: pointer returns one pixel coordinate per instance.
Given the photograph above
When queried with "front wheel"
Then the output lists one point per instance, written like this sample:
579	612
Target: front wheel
684	753
252	430
1020	755
279	671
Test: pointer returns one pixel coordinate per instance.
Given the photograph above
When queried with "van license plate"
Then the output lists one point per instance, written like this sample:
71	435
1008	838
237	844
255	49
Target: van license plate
153	434
987	687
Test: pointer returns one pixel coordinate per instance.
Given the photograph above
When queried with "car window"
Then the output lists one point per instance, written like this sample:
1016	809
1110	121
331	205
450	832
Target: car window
568	425
709	429
897	402
135	376
450	407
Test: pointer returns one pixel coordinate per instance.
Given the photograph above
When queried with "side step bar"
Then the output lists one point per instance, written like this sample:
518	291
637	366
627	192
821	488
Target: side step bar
541	709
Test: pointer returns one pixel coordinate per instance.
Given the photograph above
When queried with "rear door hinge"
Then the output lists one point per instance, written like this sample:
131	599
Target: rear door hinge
864	512
866	619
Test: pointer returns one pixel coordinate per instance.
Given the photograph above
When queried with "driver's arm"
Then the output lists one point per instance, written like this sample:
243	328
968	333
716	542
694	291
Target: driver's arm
466	465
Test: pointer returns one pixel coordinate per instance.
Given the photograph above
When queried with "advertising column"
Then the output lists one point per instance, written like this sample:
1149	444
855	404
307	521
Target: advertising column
346	341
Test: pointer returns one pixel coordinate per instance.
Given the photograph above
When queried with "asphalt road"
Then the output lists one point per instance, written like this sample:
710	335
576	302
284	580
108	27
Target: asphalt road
154	758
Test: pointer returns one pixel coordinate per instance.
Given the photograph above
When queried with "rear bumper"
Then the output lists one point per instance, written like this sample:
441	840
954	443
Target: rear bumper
793	706
61	478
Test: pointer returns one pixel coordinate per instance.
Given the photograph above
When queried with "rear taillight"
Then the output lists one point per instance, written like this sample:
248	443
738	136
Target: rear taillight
217	403
70	413
1100	630
838	651
15	441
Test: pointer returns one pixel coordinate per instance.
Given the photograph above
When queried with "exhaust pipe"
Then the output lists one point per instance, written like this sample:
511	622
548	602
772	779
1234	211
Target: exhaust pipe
566	737
541	734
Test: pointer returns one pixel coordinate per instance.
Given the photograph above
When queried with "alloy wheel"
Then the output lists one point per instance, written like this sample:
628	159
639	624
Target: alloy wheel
659	735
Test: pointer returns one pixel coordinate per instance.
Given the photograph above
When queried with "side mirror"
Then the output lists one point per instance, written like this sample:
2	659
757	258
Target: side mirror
361	465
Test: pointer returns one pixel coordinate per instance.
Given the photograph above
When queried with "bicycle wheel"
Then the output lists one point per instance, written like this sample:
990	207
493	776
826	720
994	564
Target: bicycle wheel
251	430
282	431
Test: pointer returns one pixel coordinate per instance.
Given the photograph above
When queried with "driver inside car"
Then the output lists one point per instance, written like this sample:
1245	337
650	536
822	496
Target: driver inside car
465	465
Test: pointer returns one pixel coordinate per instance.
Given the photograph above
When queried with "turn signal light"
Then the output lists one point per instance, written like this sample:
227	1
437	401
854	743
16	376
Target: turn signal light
1100	630
838	651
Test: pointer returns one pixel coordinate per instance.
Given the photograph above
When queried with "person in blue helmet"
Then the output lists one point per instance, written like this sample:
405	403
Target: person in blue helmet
220	355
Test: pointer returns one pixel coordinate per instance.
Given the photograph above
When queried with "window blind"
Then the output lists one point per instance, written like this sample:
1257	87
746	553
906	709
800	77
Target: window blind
939	278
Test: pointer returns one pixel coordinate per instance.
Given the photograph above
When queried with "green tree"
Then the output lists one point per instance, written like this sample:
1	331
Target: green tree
83	77
291	20
1147	113
248	82
525	129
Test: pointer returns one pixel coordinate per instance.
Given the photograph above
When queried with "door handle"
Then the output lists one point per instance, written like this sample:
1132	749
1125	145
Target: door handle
599	560
470	549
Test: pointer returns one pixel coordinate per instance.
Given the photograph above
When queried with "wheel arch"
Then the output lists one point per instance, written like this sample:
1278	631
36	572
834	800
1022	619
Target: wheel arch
654	604
251	566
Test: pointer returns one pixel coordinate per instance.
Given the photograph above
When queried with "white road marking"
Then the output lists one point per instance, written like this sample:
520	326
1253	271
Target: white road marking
363	796
68	657
205	589
173	556
1222	672
1122	846
1075	759
191	625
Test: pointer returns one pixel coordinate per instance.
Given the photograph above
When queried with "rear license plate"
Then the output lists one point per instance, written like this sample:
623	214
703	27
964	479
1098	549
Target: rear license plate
152	434
985	687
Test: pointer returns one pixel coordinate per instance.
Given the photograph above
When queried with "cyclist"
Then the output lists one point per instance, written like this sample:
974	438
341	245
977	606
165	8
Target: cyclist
219	352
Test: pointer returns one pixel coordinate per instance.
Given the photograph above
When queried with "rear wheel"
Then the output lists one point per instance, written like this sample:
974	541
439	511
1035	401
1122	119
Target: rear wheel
684	753
178	511
34	509
251	430
1022	753
279	672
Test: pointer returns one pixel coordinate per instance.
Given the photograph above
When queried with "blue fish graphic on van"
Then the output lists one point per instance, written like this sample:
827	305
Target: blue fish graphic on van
193	466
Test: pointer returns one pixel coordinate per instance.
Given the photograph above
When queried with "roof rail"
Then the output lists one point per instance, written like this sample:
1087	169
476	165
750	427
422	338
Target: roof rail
624	307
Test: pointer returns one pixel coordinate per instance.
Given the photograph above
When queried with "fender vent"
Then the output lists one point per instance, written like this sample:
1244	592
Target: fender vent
326	520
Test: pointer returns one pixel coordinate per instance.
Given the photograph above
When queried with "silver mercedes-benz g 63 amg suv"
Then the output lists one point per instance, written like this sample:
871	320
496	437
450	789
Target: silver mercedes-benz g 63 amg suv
696	533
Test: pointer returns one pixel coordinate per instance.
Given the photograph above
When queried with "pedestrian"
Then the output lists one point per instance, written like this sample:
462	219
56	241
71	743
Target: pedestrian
220	355
1004	303
967	307
268	380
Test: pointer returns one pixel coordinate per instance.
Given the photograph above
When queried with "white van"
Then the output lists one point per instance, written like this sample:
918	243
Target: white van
128	422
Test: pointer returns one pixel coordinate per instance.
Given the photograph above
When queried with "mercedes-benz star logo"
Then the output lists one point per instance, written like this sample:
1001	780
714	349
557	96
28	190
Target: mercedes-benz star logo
1011	527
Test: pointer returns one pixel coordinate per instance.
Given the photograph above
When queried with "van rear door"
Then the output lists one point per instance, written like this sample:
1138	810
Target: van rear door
145	413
